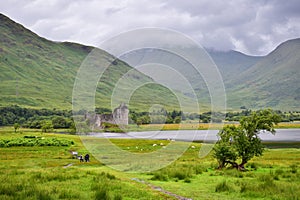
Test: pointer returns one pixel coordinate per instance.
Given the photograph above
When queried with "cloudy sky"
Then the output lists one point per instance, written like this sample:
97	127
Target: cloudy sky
252	27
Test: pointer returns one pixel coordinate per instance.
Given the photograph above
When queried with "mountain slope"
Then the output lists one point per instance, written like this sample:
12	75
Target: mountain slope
36	72
232	63
272	82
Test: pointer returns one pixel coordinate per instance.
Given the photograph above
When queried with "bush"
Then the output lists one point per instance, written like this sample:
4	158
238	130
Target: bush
29	141
187	180
160	177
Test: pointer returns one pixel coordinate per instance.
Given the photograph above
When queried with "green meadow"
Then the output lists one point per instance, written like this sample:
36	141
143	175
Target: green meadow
45	169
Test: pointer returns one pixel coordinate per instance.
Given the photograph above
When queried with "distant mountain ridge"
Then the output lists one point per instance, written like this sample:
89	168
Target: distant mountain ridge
232	63
36	72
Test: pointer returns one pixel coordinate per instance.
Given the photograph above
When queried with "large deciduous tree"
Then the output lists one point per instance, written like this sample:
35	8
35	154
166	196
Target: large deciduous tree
241	143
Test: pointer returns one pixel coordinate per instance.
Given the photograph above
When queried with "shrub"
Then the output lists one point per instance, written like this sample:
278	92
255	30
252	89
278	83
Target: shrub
180	174
158	176
187	180
35	141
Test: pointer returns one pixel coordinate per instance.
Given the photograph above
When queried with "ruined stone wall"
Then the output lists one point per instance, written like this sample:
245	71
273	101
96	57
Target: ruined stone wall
119	116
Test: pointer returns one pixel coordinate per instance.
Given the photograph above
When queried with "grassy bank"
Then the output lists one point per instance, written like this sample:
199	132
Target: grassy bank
49	172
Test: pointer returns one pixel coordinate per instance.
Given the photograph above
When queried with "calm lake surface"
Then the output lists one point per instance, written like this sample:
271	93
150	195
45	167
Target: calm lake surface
288	135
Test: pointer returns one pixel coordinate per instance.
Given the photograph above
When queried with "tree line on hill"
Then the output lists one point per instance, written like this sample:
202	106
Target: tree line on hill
54	118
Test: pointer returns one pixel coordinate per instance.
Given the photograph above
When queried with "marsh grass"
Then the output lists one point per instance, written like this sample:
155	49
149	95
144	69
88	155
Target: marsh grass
37	173
272	176
177	172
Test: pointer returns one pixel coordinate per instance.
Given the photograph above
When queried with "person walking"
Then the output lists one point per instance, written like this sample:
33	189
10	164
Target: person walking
81	158
87	158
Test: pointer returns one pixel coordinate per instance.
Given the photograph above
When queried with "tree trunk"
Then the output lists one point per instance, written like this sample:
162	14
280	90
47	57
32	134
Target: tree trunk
233	164
241	166
221	165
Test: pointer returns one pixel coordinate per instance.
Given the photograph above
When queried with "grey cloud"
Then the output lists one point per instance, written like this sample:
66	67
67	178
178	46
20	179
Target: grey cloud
253	27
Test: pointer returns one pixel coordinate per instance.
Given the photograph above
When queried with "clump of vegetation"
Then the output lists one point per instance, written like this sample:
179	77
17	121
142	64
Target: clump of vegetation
159	176
30	141
103	187
294	168
108	127
177	172
253	165
222	187
243	142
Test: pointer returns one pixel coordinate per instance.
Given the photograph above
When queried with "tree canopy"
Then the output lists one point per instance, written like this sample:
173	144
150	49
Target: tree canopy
241	143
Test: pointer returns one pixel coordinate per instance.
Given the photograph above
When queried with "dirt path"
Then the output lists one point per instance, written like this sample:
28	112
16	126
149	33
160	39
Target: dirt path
68	165
161	189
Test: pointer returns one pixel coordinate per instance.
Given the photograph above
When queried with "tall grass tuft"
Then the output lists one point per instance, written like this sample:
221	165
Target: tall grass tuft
43	195
177	172
102	193
294	168
222	187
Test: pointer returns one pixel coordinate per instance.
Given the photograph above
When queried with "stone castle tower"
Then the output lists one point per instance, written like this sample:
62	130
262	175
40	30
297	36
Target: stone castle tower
118	117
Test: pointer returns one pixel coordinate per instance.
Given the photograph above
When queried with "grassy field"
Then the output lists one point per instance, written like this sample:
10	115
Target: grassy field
49	172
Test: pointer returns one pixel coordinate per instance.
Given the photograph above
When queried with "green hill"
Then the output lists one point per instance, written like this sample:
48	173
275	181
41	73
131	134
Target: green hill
39	73
272	82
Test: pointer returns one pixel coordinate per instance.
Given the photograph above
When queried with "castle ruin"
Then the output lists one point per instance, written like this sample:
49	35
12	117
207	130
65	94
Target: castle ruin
118	117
